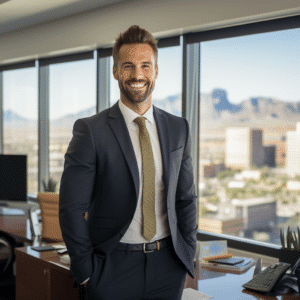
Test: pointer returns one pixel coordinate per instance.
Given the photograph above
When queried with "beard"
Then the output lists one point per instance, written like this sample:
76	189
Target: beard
136	96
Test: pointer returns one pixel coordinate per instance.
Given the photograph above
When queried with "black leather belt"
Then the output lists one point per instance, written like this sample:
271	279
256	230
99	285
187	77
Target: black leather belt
146	247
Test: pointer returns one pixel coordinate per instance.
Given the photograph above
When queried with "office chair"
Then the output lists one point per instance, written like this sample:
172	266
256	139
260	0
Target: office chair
7	277
49	205
6	255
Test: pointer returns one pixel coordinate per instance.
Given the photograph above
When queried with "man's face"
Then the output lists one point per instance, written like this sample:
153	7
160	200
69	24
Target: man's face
136	72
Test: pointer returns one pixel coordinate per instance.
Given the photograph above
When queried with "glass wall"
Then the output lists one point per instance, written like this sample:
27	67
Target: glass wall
72	96
168	85
249	135
20	124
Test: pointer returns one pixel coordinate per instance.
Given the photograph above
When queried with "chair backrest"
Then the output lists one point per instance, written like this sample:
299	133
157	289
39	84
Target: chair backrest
49	205
6	254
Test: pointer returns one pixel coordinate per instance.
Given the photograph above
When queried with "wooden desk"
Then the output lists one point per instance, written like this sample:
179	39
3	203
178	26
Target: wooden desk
39	279
223	286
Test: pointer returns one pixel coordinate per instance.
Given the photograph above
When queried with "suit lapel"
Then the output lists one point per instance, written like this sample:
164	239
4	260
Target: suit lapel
119	127
163	135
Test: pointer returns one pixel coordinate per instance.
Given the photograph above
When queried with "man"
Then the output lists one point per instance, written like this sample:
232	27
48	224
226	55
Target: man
133	175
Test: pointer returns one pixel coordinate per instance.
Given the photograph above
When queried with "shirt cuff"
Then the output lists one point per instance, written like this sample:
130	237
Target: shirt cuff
85	281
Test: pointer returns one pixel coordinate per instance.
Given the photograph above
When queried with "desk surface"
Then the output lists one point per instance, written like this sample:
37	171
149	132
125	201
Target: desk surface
221	286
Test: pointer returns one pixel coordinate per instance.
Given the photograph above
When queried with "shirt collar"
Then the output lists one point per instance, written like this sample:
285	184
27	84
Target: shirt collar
129	115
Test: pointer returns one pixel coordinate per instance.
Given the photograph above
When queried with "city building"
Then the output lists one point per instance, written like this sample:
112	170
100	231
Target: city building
212	170
270	156
244	148
215	224
235	184
248	174
280	151
257	213
293	152
293	185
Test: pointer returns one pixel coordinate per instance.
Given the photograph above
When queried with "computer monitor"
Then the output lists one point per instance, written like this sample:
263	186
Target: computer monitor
13	177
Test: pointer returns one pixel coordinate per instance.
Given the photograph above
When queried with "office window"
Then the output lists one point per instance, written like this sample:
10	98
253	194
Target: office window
72	92
249	135
20	126
168	85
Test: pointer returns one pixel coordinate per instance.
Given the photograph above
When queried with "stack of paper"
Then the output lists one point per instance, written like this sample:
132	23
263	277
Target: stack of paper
218	250
190	294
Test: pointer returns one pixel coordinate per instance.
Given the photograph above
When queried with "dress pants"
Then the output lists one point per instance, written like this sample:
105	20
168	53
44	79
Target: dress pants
135	275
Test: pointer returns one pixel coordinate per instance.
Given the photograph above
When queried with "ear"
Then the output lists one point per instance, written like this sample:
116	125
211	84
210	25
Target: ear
115	73
156	72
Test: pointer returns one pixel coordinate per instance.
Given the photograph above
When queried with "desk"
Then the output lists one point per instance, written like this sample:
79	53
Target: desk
39	279
223	286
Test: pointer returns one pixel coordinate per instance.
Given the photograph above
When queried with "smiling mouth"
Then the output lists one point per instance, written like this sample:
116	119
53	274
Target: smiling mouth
137	85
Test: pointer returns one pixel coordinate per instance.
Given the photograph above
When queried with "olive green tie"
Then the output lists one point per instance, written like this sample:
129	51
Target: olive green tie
148	191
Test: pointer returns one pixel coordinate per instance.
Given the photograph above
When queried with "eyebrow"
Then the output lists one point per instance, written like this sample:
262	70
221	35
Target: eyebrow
130	63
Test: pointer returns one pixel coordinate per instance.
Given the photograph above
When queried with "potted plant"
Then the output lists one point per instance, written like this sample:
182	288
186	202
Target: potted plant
50	186
290	251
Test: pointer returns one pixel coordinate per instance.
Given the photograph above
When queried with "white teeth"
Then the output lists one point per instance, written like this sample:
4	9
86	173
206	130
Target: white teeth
139	85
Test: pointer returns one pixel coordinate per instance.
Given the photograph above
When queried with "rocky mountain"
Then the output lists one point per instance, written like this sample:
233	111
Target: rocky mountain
216	111
11	118
68	120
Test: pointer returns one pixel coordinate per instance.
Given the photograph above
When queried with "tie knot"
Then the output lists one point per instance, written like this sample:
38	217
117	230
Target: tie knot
140	121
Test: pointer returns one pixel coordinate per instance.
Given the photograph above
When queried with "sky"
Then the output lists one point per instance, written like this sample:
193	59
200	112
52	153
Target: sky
266	65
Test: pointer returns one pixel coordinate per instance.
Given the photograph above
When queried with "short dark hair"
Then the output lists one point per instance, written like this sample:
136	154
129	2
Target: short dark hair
134	35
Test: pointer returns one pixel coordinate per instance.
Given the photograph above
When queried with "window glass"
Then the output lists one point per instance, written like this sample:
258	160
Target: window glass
20	119
250	135
168	85
72	96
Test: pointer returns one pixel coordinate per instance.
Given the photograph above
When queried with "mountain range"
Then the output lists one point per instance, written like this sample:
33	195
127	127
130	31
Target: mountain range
216	111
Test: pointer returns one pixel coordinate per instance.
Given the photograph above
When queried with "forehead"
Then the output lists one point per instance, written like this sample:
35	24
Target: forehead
136	52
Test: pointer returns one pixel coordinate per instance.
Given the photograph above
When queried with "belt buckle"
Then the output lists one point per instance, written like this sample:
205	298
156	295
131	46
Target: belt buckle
144	249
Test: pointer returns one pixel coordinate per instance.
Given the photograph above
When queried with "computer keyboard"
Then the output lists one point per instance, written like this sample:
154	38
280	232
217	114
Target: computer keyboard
267	279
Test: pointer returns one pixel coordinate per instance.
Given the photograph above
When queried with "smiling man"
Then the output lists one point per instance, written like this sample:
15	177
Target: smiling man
136	71
130	168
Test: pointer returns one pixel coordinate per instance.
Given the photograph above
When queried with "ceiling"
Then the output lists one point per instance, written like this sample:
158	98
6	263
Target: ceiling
18	14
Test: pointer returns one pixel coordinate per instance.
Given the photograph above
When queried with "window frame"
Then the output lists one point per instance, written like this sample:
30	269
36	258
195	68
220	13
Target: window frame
285	23
43	65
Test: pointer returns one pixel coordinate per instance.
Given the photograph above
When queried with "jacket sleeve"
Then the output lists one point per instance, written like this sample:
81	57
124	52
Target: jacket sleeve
186	199
75	194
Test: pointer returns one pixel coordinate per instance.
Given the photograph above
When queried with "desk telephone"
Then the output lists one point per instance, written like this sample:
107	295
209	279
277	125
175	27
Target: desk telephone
274	279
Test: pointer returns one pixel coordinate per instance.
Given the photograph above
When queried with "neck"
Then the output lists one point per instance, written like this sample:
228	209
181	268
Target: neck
140	108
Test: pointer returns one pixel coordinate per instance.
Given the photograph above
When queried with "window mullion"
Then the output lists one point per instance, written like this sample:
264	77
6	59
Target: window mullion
43	124
1	112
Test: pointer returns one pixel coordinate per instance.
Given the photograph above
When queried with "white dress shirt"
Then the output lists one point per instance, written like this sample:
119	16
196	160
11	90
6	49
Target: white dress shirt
134	232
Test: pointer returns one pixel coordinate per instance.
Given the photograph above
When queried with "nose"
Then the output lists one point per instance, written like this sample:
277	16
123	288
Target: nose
137	73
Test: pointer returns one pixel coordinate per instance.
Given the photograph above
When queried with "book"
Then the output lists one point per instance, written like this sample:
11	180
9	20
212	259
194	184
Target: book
240	267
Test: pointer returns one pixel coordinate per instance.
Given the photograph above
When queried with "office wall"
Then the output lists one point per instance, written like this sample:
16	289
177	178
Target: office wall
100	27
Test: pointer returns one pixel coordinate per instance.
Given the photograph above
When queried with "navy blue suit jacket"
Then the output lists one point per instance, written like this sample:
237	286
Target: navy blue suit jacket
101	176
